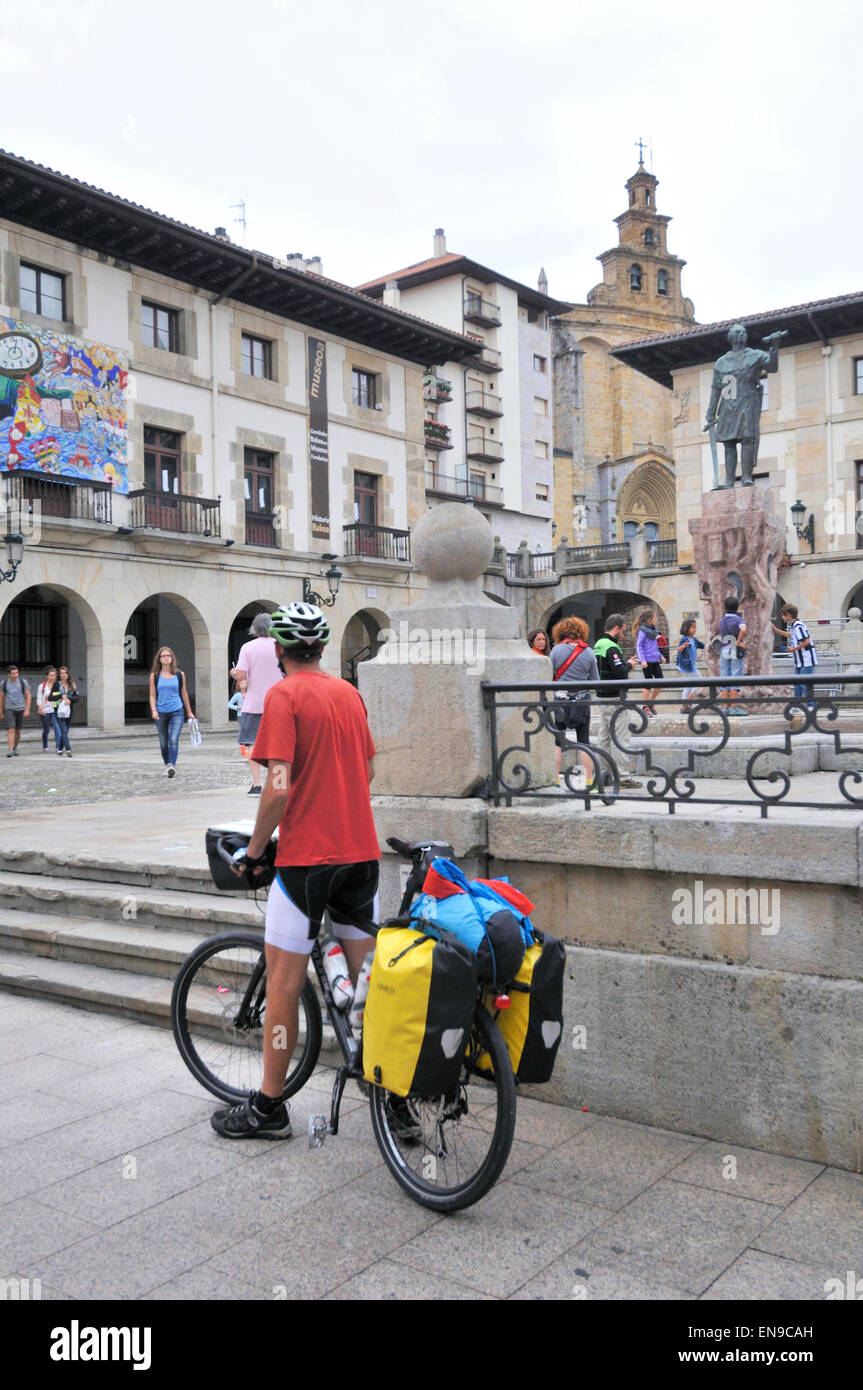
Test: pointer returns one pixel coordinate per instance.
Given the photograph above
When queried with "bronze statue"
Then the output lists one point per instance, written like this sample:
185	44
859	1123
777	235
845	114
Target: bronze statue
734	412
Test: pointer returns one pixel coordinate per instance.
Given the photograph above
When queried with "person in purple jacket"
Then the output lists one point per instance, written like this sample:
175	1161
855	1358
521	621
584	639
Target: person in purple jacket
649	656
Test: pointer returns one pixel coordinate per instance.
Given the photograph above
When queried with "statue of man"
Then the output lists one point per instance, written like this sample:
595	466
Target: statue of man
734	412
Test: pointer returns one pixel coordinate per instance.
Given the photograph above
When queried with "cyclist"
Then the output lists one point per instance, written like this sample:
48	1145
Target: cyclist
315	739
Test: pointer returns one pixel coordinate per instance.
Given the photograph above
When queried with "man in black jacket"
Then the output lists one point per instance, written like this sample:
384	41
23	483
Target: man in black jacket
612	666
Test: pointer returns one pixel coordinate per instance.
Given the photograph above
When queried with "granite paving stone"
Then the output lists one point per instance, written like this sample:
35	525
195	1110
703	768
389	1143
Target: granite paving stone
29	1230
764	1176
678	1235
609	1162
386	1279
823	1226
576	1276
756	1275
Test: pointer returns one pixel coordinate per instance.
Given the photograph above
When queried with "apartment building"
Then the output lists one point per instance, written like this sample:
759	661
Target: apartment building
488	420
191	433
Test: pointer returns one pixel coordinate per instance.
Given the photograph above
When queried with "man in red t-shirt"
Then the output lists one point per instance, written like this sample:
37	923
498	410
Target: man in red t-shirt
314	737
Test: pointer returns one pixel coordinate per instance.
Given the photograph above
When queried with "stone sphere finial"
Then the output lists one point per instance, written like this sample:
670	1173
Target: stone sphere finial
452	541
854	614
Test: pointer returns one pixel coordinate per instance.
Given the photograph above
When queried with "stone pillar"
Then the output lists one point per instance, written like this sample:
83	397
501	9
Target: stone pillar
851	642
423	690
738	543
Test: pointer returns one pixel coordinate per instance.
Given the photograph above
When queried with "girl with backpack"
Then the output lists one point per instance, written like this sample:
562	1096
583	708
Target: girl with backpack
45	705
687	650
573	660
168	699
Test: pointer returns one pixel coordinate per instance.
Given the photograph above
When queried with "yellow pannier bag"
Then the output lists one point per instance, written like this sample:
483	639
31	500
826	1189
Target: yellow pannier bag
421	1002
532	1025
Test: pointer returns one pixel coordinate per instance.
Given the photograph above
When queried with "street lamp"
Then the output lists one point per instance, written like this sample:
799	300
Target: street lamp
14	543
333	577
807	532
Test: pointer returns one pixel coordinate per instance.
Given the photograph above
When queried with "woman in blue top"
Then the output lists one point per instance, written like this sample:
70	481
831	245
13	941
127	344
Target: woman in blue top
168	699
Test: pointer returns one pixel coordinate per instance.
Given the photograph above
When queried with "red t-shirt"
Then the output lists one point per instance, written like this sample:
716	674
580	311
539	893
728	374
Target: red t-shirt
318	724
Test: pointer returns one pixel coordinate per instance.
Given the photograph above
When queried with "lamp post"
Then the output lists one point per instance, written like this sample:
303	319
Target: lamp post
807	532
14	542
333	577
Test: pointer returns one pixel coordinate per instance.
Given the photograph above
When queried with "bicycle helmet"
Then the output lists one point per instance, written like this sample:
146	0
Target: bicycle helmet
299	625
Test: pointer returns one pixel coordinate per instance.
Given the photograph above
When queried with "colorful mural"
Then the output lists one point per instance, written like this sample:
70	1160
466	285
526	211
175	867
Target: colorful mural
62	405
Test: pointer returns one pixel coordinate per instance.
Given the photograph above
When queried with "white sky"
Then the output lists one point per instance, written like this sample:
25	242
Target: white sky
352	130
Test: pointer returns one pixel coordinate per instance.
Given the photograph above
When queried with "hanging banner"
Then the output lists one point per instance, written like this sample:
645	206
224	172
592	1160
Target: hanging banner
319	442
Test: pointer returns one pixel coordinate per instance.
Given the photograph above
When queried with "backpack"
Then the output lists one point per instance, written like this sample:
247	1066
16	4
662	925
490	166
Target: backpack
488	915
533	1024
420	1007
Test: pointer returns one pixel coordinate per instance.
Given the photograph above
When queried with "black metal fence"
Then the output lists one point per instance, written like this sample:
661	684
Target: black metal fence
760	722
377	542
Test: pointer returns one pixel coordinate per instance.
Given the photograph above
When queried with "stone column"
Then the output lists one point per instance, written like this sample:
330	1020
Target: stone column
423	690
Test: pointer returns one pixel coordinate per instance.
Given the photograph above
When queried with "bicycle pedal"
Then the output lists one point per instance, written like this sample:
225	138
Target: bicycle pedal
318	1131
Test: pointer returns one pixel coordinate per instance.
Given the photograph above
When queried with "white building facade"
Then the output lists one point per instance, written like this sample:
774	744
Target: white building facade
188	432
488	424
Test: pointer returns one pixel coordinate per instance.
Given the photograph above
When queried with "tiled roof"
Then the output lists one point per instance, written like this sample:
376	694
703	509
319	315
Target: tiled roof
701	329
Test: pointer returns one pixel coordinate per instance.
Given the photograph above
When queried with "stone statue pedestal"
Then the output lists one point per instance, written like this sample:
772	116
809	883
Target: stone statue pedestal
738	541
423	689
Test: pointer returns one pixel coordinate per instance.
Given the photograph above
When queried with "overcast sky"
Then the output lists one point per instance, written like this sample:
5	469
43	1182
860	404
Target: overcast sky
352	130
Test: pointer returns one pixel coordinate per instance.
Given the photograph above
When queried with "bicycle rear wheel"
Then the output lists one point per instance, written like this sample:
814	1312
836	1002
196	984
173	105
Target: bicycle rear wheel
446	1152
217	1015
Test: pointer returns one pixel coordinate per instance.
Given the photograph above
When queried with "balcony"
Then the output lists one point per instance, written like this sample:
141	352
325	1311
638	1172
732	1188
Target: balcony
476	488
436	388
437	436
661	553
483	403
479	310
488	360
377	542
260	529
70	498
174	511
597	557
485	450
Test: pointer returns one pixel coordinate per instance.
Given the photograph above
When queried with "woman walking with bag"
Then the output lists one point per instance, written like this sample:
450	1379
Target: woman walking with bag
44	705
168	699
573	660
64	695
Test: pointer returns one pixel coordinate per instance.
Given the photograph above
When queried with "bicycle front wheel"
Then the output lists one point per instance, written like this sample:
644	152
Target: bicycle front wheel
217	1015
447	1151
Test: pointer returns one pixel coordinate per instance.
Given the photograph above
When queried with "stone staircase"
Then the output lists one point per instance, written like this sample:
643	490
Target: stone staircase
106	938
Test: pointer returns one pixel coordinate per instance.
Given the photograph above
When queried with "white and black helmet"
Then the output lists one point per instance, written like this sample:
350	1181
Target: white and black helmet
299	625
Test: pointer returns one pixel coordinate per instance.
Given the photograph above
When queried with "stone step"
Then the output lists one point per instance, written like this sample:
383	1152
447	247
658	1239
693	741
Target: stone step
810	752
178	909
124	992
136	873
153	951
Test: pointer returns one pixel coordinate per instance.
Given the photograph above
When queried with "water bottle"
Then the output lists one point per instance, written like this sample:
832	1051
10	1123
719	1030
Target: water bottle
336	970
357	1013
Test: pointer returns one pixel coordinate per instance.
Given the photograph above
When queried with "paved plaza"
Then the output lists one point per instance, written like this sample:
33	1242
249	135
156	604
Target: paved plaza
115	1186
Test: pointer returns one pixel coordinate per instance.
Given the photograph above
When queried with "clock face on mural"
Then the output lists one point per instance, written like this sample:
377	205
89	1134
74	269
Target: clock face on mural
19	354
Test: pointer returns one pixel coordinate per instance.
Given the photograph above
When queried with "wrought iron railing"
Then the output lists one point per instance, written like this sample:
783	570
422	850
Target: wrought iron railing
81	499
765	734
175	511
616	555
437	388
481	310
377	542
661	553
477	488
437	435
528	564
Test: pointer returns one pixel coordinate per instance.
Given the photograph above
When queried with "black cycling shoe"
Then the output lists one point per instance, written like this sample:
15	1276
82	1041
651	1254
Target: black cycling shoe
402	1124
246	1121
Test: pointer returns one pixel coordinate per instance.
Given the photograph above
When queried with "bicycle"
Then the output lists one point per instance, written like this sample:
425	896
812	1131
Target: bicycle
445	1152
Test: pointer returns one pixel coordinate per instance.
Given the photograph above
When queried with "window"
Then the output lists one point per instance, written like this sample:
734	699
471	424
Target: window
635	277
476	485
162	479
857	522
259	470
765	393
540	449
33	634
364	389
858	376
647	197
651	530
42	292
540	405
366	513
662	282
540	364
257	357
160	327
648	236
542	492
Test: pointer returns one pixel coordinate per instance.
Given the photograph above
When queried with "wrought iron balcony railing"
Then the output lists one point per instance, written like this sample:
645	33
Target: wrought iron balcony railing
614	556
377	542
479	310
175	511
437	436
476	488
79	499
660	553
